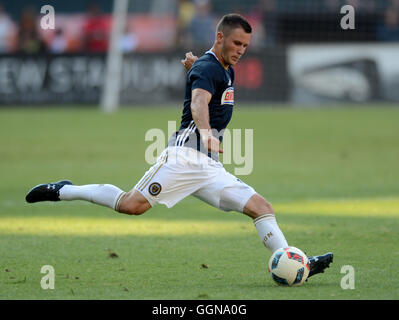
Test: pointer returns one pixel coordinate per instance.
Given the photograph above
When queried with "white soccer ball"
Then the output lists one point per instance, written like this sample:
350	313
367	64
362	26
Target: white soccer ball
289	266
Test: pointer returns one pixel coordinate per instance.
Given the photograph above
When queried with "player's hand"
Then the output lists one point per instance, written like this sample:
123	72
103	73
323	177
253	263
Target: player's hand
212	143
189	60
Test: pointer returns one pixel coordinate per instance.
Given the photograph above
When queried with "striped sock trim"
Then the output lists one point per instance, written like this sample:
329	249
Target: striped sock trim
263	217
118	200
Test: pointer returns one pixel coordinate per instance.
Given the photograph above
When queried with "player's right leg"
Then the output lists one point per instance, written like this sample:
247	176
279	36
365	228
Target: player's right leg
133	203
103	194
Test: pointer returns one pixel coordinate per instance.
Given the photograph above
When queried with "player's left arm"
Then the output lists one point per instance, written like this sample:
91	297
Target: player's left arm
189	60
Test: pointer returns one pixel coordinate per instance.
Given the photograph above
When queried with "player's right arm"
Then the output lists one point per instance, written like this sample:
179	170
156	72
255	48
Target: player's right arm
189	60
200	112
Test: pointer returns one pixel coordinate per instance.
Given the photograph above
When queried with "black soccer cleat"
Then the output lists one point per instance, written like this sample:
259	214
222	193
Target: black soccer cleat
318	264
46	192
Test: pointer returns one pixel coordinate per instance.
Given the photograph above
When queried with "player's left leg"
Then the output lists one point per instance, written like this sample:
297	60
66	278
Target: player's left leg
270	234
228	193
262	213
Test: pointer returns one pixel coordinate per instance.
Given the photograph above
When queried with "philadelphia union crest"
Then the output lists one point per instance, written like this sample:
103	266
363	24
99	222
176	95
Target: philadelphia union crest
154	189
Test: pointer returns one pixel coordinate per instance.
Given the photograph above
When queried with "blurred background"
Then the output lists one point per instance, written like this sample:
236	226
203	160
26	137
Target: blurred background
299	53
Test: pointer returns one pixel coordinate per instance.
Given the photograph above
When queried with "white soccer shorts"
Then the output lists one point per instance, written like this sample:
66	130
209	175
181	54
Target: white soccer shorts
182	171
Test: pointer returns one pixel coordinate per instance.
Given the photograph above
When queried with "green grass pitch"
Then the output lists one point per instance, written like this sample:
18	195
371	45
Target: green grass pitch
332	175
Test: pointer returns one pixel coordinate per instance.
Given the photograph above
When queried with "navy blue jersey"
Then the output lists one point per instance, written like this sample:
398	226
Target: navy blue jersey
206	73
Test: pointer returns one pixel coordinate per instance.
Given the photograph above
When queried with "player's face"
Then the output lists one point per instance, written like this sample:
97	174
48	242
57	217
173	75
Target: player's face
234	45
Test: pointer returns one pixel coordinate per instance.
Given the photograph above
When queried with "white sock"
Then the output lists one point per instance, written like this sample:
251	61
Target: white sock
269	232
102	194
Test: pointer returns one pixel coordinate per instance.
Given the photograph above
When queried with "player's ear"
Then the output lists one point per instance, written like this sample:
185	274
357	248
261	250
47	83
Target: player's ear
219	37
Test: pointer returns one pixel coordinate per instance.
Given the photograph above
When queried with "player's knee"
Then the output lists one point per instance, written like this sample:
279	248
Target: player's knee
258	206
132	209
263	208
136	211
266	208
131	206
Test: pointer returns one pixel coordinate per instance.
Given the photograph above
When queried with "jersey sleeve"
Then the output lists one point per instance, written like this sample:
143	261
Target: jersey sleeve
203	77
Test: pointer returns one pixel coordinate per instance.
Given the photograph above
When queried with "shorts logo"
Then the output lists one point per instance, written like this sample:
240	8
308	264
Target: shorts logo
154	189
228	96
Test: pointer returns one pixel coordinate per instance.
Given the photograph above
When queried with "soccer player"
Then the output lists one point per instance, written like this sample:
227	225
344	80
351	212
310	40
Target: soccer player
189	165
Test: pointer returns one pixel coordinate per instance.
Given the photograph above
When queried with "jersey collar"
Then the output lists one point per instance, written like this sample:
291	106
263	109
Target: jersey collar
212	53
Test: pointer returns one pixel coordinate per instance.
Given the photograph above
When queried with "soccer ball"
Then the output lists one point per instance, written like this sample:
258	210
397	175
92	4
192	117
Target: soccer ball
289	266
